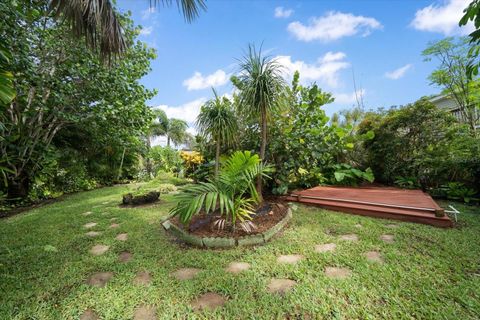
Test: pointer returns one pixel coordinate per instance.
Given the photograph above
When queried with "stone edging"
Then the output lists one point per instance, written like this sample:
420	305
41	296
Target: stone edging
221	242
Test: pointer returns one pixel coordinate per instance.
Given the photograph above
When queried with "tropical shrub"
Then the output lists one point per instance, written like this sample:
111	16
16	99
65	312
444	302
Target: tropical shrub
191	161
232	195
347	175
457	191
165	159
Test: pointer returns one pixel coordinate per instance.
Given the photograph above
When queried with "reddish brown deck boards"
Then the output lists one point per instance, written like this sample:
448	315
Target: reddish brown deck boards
381	202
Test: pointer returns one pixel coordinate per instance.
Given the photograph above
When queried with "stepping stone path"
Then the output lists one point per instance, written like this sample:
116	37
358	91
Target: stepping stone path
208	301
90	225
337	273
114	225
349	237
99	279
99	249
122	237
325	247
143	278
374	256
186	273
290	259
125	256
280	286
145	313
87	213
93	233
89	315
387	238
237	267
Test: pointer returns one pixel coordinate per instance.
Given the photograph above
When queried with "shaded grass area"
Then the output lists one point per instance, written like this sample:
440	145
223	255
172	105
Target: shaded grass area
44	262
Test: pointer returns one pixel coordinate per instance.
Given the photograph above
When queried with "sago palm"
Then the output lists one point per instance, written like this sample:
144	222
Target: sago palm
261	84
217	121
232	195
97	20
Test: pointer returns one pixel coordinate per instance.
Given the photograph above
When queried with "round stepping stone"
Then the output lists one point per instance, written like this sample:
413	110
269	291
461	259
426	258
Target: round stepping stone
125	256
387	238
290	259
208	301
99	279
374	256
114	225
89	315
93	233
145	313
90	225
349	237
337	273
87	213
280	286
143	278
237	267
186	273
325	247
99	249
122	237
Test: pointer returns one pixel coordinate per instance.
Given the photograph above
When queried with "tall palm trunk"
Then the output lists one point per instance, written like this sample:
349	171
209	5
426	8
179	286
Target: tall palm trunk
168	141
217	158
263	147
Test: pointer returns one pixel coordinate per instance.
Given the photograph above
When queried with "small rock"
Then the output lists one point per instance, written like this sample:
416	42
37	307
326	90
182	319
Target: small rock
208	301
99	279
99	249
237	267
93	233
337	273
325	247
290	259
349	237
90	225
186	273
374	256
89	315
387	238
143	278
125	256
270	213
280	285
145	313
122	237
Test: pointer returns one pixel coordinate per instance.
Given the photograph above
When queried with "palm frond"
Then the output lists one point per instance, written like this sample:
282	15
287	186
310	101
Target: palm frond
189	8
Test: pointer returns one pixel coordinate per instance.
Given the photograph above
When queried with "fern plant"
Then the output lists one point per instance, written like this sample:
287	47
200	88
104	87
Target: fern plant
232	194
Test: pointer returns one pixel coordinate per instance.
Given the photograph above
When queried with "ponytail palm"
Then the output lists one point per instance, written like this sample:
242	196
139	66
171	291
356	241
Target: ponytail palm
217	121
261	84
232	194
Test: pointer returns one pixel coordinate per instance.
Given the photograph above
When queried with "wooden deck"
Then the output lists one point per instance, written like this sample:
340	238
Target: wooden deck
381	202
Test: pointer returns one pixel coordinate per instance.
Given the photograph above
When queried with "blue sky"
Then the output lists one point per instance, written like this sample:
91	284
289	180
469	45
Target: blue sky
381	41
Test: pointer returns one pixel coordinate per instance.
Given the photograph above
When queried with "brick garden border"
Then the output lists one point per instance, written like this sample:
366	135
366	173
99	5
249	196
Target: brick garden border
225	242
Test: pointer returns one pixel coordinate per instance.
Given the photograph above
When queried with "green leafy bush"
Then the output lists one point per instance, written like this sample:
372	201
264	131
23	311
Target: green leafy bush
458	191
347	175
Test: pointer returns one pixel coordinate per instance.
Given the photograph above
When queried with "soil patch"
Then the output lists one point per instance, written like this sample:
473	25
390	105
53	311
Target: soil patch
374	256
208	301
145	313
280	285
99	279
89	315
268	215
186	273
237	267
325	247
125	256
143	278
337	273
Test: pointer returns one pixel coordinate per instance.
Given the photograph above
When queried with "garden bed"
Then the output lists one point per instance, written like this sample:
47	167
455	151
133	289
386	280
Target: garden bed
269	220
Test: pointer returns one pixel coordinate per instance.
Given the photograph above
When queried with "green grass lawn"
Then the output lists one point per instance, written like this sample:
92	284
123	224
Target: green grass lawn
428	273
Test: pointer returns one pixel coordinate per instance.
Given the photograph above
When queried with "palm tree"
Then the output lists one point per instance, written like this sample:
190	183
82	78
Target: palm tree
97	21
158	126
174	129
261	85
217	121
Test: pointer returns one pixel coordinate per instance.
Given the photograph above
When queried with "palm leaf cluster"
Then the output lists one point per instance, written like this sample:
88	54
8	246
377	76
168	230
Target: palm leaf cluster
232	195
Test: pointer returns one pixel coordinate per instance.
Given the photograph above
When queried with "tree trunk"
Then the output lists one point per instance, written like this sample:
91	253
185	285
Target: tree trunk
121	164
217	158
263	147
19	187
168	141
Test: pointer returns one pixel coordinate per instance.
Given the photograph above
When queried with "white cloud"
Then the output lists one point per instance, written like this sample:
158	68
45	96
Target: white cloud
325	70
280	12
188	111
349	98
442	18
147	13
146	31
198	81
398	73
332	26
